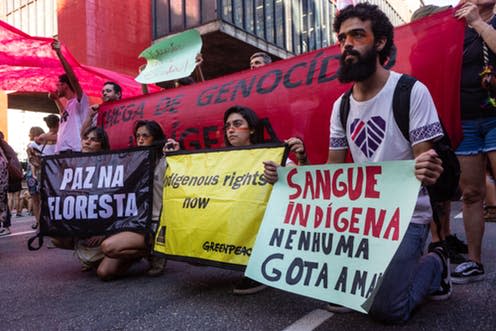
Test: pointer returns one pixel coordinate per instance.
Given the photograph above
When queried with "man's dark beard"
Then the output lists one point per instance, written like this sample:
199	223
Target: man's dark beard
365	66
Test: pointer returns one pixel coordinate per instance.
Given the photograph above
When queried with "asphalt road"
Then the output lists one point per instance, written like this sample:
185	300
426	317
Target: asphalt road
46	290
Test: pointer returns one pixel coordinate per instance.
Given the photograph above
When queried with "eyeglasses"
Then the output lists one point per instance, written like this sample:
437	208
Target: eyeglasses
235	124
143	135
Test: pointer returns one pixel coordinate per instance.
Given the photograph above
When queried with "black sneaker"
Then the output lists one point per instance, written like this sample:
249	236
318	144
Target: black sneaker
248	286
456	244
455	257
468	272
433	245
444	291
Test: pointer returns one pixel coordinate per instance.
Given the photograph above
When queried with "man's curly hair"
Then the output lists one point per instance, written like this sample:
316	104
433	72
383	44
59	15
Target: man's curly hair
381	25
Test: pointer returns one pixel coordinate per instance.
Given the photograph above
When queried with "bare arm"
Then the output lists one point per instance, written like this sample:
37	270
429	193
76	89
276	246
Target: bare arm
144	87
46	138
336	156
88	122
198	71
470	13
68	70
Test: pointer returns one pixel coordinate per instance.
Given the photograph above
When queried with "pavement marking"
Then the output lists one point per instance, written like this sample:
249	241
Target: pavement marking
460	215
310	321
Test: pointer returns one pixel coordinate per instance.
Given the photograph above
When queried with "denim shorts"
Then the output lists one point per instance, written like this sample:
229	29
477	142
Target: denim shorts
479	136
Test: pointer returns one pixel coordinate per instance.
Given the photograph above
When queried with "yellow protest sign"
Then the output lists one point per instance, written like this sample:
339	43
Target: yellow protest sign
213	204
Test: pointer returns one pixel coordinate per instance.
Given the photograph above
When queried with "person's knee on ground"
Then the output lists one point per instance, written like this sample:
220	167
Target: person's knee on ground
110	268
105	272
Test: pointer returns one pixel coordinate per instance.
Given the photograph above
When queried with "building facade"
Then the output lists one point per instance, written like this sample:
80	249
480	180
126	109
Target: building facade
34	17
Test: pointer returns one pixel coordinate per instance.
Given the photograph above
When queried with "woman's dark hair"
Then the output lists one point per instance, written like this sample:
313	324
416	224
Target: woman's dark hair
153	127
381	25
155	131
253	124
100	134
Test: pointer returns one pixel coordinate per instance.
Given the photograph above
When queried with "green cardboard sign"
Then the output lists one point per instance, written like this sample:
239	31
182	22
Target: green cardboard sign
330	231
171	58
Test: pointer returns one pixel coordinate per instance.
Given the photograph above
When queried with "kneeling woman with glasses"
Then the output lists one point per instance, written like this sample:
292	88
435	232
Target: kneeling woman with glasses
125	248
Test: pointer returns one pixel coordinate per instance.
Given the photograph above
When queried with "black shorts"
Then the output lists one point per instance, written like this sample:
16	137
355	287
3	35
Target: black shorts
14	187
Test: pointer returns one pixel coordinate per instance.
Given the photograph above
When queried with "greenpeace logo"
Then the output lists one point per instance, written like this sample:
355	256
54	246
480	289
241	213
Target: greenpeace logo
210	246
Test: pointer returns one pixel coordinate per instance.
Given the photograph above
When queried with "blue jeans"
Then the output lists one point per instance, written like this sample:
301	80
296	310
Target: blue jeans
409	278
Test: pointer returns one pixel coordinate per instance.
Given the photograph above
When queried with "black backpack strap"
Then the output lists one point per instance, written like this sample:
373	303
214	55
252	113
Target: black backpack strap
31	240
344	108
401	104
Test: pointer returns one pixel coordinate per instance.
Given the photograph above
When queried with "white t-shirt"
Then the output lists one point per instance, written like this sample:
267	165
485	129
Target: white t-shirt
71	121
372	134
49	149
37	146
44	149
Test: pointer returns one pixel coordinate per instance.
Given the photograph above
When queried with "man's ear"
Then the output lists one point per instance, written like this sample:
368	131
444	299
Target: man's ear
380	43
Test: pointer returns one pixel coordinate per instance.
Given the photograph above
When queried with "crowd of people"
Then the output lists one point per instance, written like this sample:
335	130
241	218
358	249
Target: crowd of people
365	36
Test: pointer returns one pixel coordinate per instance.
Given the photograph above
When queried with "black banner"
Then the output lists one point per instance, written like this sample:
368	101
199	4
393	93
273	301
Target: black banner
96	193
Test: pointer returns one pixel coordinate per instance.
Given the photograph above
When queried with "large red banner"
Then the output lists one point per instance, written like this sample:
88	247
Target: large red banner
294	97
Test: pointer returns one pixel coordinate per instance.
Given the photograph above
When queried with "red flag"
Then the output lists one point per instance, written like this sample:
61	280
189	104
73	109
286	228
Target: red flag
28	64
294	97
